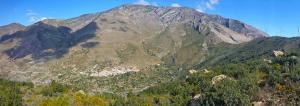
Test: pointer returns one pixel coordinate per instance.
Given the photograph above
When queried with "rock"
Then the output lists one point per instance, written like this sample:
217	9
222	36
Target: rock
294	57
218	78
267	60
81	92
192	71
197	96
278	53
205	71
258	103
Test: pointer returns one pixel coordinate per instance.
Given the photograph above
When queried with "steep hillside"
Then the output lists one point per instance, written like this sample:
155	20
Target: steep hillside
266	82
262	48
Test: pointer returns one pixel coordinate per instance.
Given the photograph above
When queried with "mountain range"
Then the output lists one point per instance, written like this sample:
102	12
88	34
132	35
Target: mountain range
129	39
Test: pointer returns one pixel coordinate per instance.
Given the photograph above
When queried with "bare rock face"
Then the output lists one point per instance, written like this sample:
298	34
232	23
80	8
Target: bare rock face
228	30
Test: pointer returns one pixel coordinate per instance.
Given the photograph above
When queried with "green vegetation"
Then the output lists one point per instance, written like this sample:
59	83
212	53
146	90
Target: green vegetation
11	92
147	10
274	83
260	48
53	89
124	54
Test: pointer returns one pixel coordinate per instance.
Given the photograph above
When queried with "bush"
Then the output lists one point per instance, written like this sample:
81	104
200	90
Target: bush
86	100
226	92
10	93
53	89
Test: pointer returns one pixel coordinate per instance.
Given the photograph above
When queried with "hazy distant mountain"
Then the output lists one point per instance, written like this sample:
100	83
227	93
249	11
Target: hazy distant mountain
10	28
127	36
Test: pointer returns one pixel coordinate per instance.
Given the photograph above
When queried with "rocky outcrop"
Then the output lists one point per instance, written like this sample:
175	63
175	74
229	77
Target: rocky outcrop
258	104
192	71
278	53
219	78
229	30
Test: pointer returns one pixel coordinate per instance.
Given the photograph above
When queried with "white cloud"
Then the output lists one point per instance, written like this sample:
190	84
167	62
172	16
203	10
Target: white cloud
32	19
201	7
33	16
200	10
43	18
144	2
154	4
214	1
175	5
30	13
207	5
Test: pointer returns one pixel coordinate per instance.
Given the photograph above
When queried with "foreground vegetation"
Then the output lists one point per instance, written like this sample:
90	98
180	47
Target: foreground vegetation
271	82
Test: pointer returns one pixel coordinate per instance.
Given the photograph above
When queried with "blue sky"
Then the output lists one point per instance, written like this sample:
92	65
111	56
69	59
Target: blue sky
276	17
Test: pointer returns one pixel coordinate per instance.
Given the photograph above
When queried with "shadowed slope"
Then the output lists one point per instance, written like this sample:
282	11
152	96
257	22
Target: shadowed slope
42	40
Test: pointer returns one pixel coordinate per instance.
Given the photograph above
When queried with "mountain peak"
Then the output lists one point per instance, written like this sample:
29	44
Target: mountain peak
10	28
12	25
149	6
183	15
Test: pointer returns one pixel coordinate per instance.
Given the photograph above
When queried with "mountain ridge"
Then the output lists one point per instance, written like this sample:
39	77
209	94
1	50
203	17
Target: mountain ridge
206	17
10	29
125	38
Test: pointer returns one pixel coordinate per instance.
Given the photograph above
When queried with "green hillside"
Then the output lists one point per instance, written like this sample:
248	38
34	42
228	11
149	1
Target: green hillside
248	78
